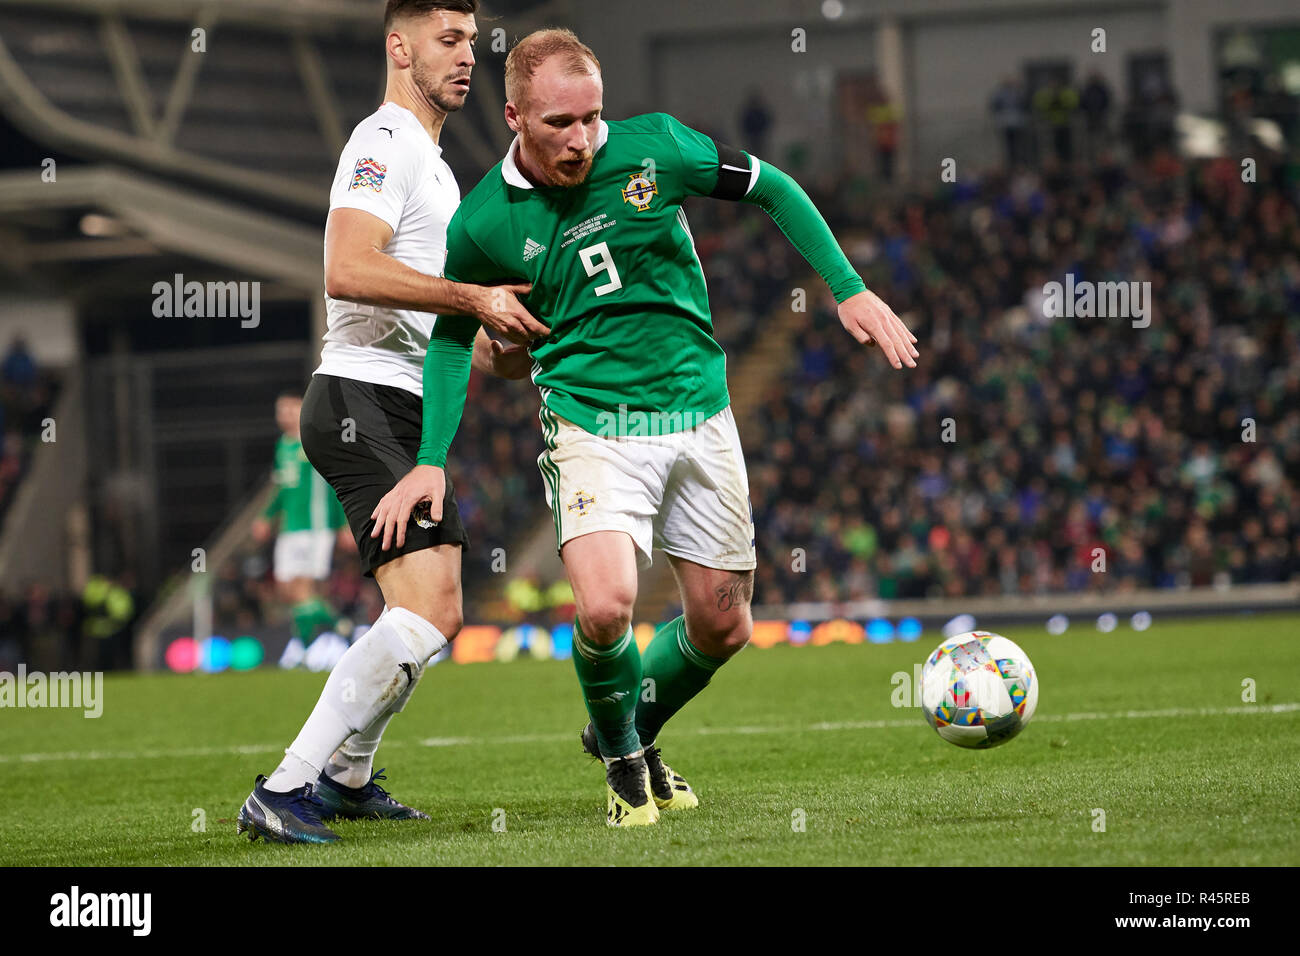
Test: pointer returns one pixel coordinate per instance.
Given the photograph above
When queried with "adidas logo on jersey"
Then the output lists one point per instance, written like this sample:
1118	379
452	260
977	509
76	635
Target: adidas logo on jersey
532	249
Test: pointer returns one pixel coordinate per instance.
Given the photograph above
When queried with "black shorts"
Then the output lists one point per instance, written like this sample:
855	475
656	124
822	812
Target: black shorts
363	438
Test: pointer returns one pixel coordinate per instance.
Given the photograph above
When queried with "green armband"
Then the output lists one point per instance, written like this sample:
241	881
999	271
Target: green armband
790	208
446	378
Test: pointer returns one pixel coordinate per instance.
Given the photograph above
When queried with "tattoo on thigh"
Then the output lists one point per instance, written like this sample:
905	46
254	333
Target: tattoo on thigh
737	592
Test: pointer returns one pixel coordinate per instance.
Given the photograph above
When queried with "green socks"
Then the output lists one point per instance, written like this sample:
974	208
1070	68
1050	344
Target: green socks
611	683
310	618
675	671
626	711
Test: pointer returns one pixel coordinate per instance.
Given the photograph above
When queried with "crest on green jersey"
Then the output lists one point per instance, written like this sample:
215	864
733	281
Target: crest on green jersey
640	190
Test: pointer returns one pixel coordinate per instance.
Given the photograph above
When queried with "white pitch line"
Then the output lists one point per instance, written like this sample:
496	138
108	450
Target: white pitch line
140	754
1242	710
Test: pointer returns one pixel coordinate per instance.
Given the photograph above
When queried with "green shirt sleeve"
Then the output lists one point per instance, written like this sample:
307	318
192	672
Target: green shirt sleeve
451	348
446	380
698	156
789	206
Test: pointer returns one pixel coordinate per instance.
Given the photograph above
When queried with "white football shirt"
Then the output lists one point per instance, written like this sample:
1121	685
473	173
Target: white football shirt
391	169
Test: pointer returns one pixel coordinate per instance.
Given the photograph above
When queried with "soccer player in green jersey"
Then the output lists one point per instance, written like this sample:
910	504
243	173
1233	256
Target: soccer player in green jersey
309	517
641	447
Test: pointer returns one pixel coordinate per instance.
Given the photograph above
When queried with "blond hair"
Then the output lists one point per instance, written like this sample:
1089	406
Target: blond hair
538	47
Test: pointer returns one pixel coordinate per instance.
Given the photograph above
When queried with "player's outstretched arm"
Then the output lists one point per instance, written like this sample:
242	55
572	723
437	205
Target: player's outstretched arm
862	313
358	270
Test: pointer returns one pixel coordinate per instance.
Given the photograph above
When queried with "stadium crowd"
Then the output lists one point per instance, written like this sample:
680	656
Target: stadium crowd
1026	453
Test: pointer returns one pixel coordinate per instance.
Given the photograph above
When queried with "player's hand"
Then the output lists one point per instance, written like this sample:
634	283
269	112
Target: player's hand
499	309
261	530
510	361
871	322
422	483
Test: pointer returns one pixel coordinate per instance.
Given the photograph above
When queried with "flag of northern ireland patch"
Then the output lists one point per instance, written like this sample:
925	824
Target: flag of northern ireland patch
368	174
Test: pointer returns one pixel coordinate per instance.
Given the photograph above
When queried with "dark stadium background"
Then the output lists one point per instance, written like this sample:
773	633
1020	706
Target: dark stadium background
1071	435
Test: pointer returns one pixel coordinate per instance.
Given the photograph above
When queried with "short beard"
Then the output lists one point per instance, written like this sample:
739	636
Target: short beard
432	91
556	175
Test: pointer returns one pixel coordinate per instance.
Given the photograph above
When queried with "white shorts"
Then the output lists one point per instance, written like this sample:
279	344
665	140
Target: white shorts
304	554
685	493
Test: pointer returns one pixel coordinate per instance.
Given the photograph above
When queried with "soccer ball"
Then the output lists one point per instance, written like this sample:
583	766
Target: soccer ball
978	689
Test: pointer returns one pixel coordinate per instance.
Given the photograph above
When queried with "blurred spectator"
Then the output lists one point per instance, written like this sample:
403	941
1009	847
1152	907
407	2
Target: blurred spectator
26	399
1094	103
1055	104
1150	120
40	628
108	611
885	118
1011	116
19	368
755	122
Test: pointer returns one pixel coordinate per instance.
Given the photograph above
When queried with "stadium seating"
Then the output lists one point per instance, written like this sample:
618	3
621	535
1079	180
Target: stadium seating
1068	435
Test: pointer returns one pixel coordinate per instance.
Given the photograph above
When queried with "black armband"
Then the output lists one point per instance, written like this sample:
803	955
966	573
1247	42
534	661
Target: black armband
733	173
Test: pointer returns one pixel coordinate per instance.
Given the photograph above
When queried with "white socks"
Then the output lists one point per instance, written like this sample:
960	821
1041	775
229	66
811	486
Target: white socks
420	636
370	683
353	762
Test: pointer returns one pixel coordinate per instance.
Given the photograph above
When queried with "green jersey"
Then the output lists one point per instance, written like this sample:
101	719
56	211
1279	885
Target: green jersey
614	274
303	499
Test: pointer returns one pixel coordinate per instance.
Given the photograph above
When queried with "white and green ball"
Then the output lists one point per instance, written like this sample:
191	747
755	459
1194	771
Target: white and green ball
978	689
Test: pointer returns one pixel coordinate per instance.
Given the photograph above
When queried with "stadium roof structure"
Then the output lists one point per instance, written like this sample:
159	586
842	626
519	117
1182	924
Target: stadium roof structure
216	145
82	233
255	97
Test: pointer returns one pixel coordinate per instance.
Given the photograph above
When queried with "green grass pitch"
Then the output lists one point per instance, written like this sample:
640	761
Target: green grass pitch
1150	728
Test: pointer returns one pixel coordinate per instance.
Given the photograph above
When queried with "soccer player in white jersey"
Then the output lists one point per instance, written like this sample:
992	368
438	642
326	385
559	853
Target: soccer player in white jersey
385	246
